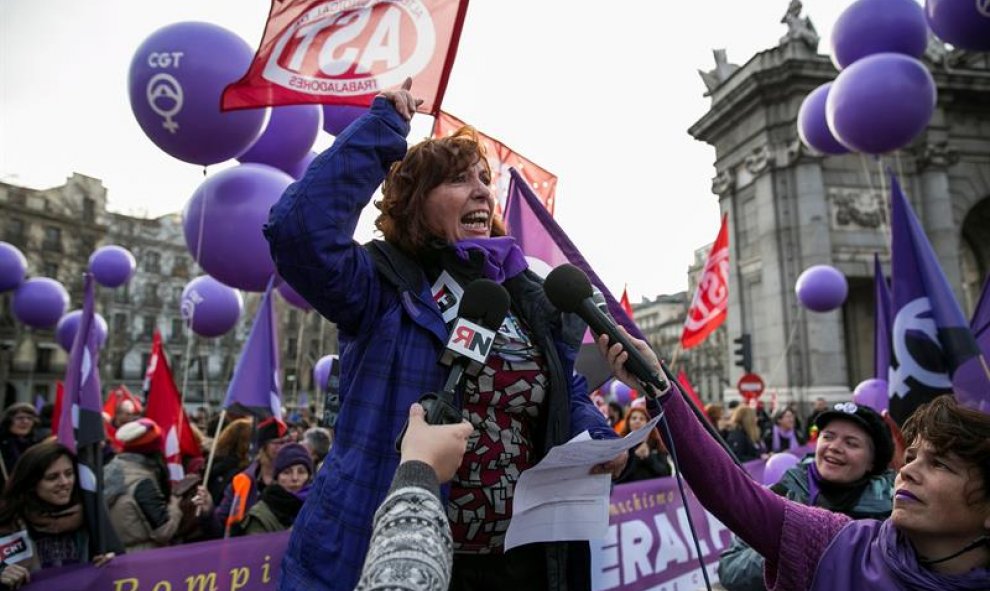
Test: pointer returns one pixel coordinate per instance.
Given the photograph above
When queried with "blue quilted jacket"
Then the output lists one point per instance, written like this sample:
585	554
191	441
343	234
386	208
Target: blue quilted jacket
391	335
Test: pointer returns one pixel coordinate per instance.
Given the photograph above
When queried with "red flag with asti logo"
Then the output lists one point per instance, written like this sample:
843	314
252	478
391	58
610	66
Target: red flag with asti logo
344	53
164	406
711	299
500	158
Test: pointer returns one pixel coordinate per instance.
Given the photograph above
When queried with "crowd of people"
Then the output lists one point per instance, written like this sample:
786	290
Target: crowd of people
148	509
842	518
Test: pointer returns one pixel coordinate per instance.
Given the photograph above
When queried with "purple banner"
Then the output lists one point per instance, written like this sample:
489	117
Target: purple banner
648	546
250	563
649	543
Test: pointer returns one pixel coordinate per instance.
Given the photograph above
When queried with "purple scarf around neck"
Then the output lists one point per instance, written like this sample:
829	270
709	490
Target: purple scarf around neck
503	257
778	433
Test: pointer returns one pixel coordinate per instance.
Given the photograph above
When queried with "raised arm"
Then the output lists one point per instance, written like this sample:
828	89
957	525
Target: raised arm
310	229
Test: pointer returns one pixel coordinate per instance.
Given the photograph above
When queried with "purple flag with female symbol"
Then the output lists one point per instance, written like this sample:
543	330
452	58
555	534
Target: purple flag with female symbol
546	246
980	323
256	387
881	333
933	350
80	426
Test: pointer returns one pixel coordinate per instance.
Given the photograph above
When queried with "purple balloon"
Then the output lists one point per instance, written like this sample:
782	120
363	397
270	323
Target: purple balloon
821	288
230	208
68	326
868	27
872	393
321	371
336	118
298	169
13	267
960	22
176	79
776	466
290	295
210	307
620	392
812	126
881	103
40	302
112	265
287	138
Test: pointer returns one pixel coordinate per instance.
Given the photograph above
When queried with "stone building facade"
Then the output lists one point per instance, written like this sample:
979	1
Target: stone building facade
790	208
57	229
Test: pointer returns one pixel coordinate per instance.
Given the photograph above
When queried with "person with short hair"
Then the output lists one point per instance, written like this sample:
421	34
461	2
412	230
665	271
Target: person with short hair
18	432
318	441
936	538
848	473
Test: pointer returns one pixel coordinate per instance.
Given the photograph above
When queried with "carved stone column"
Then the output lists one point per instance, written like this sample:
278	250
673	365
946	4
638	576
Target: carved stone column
933	162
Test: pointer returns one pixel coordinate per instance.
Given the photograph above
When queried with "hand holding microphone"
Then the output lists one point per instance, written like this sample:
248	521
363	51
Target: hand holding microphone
632	360
482	310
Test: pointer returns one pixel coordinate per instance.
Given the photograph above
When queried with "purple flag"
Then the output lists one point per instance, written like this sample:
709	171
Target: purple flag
80	426
981	320
933	351
546	246
256	387
881	335
81	423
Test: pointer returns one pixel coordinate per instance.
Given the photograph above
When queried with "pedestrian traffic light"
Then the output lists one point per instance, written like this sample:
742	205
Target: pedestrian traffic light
744	354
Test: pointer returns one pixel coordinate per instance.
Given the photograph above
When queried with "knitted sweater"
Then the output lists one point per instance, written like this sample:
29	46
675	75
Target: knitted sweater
411	546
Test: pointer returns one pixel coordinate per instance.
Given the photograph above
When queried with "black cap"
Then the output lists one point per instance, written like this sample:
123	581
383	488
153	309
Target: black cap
872	423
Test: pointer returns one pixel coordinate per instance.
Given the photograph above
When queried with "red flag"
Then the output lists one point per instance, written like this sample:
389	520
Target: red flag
500	158
711	300
344	53
165	408
624	302
57	411
689	389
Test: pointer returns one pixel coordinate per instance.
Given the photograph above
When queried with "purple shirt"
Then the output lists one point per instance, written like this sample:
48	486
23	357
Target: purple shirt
805	547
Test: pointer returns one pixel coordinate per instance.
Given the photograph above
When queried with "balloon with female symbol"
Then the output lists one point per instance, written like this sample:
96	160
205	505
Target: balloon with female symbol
175	81
210	307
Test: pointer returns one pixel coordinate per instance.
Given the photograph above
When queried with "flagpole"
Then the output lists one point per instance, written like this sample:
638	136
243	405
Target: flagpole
187	361
299	340
213	446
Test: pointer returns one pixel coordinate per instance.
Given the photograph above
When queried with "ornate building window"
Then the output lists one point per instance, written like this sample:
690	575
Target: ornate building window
53	239
152	261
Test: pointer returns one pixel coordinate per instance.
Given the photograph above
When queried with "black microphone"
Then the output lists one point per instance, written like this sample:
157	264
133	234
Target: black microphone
482	310
568	289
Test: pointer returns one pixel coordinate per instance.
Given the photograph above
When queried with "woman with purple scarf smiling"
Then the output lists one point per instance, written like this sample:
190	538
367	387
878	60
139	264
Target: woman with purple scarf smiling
393	301
784	436
937	537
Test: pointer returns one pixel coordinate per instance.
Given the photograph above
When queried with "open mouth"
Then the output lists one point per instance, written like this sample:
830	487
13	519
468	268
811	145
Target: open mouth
476	221
833	461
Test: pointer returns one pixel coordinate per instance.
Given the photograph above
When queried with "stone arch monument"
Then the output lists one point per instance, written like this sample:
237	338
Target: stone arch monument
790	208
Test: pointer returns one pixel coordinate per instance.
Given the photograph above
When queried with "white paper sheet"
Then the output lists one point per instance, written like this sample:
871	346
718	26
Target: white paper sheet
558	499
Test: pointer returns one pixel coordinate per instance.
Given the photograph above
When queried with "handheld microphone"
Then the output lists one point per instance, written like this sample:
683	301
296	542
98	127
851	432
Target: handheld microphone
569	289
482	310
